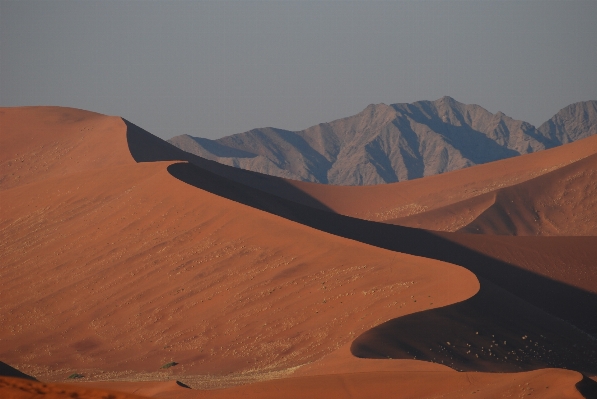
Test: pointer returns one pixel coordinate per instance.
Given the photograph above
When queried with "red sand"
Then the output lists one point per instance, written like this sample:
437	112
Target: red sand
120	267
128	268
541	383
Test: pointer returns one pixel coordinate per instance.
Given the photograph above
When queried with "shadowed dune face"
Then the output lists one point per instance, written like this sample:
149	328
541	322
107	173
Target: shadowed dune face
493	331
146	147
8	371
121	269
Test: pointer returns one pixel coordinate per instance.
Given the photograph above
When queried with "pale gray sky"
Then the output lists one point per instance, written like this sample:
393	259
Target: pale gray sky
214	68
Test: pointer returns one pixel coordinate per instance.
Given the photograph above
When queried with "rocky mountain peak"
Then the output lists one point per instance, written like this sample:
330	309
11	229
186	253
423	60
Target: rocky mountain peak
389	143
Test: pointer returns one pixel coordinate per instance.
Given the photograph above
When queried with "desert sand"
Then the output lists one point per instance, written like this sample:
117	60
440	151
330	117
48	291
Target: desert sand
119	256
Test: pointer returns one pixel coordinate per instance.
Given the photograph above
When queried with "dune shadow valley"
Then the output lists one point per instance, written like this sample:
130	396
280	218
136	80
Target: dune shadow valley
426	250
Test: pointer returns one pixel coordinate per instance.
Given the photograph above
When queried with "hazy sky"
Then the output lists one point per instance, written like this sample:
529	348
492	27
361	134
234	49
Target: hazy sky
216	68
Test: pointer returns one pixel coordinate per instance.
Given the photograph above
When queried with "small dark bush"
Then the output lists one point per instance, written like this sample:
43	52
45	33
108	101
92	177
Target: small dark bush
168	365
75	376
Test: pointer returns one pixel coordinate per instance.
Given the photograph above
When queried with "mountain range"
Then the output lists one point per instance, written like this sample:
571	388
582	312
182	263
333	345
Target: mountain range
391	143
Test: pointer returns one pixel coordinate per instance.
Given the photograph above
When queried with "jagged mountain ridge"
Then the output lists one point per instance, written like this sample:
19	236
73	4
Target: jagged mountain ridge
390	143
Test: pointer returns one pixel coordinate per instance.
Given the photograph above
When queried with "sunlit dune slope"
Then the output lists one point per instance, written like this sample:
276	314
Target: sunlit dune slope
17	388
545	384
556	274
39	142
548	383
561	202
116	268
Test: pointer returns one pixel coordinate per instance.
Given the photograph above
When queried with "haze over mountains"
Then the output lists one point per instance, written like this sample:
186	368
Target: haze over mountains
391	143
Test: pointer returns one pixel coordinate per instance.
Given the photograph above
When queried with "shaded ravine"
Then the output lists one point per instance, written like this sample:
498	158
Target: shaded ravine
563	300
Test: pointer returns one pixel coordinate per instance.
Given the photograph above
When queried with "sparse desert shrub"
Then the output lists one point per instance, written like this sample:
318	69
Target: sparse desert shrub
75	376
168	365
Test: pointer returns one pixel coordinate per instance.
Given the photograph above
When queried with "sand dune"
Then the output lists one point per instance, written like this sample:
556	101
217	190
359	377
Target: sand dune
18	388
402	201
561	202
125	259
542	383
116	277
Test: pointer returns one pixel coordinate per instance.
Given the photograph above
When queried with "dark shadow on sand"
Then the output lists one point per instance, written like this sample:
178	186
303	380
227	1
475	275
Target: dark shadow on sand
145	147
567	302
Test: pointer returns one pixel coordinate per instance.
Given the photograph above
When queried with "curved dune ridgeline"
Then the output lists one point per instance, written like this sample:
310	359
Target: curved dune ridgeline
123	268
121	253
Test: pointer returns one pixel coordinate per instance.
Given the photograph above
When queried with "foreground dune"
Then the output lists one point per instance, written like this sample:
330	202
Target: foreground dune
117	277
117	259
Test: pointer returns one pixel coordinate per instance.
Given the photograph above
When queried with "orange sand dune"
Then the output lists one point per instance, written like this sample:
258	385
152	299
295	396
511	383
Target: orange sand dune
531	271
155	389
397	200
541	383
545	384
573	254
561	202
17	388
121	267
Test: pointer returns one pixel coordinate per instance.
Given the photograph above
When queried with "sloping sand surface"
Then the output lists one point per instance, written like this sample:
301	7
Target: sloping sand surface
559	203
548	383
562	202
18	388
154	389
121	267
396	200
529	267
451	217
